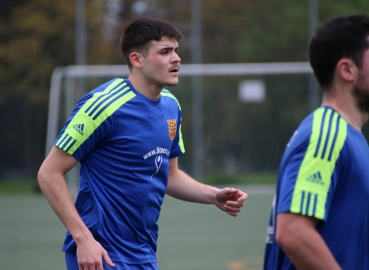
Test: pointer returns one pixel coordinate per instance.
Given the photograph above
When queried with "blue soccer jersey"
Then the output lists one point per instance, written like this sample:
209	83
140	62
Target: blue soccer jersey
123	141
324	174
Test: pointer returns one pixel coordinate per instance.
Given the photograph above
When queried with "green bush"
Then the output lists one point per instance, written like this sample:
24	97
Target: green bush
19	186
226	178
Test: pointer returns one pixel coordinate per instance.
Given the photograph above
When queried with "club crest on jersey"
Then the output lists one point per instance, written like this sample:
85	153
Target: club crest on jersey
172	127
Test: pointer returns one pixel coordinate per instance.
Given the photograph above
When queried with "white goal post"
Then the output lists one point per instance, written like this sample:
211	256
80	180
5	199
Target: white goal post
70	73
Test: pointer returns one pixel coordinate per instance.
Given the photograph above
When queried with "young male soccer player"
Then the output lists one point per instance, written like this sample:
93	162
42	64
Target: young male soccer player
126	134
320	215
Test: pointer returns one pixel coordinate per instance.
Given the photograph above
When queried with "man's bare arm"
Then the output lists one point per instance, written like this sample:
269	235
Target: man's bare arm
53	185
299	239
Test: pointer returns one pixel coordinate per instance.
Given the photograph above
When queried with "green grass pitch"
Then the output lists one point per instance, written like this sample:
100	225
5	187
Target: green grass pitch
191	237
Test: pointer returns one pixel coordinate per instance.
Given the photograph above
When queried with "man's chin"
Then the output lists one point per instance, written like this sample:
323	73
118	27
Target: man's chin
172	83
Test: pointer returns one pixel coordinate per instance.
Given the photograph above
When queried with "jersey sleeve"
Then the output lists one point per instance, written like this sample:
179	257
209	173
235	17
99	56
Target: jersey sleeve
178	145
308	180
89	123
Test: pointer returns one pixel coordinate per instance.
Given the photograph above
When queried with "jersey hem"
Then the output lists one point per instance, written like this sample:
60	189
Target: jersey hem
119	259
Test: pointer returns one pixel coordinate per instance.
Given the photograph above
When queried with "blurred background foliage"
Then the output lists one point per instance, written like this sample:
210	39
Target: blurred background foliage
37	36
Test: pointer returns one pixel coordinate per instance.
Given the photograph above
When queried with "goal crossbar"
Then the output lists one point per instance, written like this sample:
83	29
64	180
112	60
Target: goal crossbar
85	71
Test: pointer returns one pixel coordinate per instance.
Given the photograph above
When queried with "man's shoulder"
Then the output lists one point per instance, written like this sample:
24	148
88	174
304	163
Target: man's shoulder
167	95
322	123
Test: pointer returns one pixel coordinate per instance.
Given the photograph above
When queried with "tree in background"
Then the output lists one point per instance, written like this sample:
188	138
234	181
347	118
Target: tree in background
39	35
36	37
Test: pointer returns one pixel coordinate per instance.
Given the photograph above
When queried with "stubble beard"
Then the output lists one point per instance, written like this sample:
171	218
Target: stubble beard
362	99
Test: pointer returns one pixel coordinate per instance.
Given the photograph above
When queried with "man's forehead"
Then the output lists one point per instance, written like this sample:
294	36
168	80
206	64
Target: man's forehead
164	42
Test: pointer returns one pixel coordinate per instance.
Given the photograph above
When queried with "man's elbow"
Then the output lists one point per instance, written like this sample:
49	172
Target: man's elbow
43	177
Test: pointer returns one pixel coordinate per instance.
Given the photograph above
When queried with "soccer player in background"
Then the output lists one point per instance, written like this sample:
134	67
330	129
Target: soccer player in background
126	134
320	214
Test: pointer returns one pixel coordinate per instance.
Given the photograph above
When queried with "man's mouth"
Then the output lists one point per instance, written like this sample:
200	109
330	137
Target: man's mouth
174	70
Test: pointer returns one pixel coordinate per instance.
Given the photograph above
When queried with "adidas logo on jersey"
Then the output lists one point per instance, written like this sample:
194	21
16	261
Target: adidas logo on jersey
79	128
316	178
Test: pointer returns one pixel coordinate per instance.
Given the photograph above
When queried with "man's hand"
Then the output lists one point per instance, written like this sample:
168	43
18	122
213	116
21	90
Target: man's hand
90	254
230	200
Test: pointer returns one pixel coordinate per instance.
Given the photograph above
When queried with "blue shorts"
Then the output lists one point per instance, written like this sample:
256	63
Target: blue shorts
72	264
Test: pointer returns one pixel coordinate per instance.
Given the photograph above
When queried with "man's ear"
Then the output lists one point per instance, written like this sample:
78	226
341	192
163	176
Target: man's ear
346	69
136	59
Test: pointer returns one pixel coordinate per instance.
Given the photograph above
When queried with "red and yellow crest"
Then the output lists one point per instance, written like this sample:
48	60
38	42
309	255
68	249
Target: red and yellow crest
172	127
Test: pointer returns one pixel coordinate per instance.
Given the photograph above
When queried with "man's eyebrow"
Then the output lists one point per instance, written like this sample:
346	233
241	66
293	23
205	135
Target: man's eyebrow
169	47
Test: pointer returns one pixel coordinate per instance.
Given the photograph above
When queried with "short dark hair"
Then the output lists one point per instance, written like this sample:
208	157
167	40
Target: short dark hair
343	36
140	32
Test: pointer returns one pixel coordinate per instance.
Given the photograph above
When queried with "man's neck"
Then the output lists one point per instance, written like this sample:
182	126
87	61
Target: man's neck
150	90
346	106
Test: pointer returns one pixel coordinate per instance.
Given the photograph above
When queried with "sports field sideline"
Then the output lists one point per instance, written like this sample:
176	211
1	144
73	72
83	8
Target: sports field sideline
191	236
